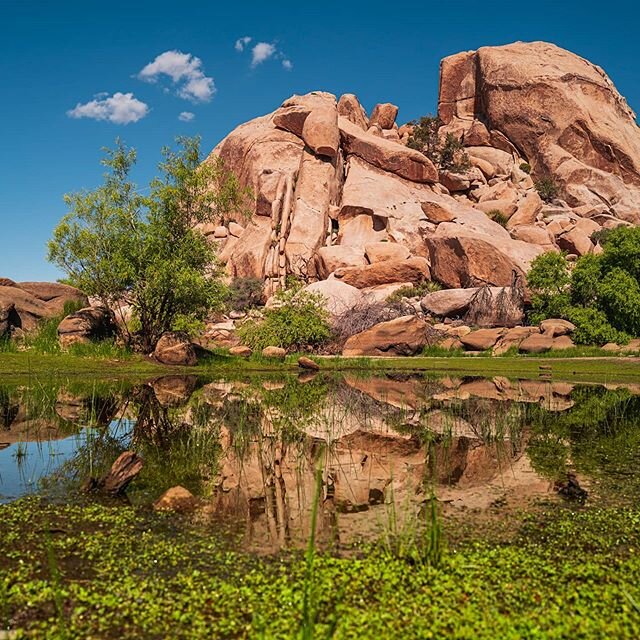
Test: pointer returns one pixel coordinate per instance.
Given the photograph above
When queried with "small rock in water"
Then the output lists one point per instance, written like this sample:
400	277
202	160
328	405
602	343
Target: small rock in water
308	363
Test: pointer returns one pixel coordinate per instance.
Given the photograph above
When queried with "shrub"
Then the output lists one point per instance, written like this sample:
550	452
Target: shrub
497	216
118	245
547	188
365	315
245	293
592	327
453	157
619	299
413	291
446	153
298	321
525	166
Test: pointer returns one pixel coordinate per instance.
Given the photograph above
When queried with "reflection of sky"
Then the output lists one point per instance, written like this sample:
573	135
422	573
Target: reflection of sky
20	474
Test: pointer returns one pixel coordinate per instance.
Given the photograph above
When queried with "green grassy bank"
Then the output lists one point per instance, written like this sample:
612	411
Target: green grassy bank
23	365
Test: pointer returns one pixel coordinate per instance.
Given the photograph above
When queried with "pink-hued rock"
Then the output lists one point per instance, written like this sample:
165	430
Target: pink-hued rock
575	241
482	339
381	251
314	118
385	154
328	259
414	270
337	296
175	348
349	106
384	114
465	261
561	111
403	336
536	343
313	194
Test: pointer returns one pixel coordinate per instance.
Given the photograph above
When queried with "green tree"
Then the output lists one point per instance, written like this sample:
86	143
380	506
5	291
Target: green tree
549	281
144	251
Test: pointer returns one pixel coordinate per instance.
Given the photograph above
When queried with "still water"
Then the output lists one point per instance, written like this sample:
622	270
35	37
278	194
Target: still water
251	447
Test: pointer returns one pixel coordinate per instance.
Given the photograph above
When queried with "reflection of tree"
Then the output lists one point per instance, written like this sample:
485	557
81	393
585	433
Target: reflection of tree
598	437
8	408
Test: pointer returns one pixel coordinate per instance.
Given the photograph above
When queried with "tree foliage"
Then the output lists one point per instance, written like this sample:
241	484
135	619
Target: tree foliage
446	152
143	251
600	295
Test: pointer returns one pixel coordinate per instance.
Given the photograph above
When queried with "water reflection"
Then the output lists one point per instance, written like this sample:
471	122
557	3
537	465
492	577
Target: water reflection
251	447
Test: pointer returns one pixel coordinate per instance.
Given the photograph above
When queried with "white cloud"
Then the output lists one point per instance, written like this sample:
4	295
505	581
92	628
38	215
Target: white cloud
241	43
186	116
287	64
120	108
185	70
261	52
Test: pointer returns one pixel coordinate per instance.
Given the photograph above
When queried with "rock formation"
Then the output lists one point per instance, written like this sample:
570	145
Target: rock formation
558	111
340	196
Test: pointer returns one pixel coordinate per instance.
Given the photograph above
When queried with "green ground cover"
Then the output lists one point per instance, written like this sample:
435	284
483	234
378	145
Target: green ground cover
115	572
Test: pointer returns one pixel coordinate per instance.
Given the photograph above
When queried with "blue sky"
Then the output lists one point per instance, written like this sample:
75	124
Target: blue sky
56	57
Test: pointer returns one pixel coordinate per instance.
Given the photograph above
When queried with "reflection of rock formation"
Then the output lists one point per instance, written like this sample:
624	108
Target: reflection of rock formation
266	481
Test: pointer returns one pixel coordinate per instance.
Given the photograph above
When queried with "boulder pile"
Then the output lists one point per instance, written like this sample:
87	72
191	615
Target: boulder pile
342	202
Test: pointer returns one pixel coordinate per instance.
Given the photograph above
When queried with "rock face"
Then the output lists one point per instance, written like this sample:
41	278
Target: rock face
175	348
85	325
26	303
403	336
560	111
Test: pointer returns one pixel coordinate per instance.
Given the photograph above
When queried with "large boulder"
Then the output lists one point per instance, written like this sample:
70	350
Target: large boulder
28	310
414	270
384	114
349	106
386	154
465	261
404	336
175	348
383	251
86	325
561	111
338	297
448	303
482	339
314	118
328	259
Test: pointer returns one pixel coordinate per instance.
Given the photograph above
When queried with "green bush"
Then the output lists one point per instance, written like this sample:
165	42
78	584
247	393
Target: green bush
446	153
592	327
549	282
547	188
497	216
298	321
245	293
601	295
525	166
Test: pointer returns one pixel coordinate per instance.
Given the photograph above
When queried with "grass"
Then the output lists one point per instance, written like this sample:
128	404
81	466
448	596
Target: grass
23	365
124	573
